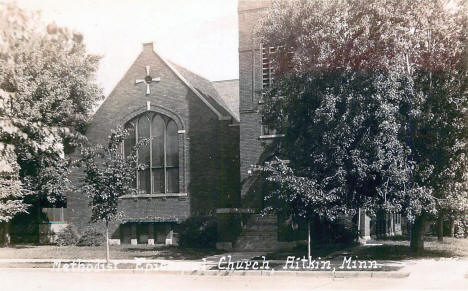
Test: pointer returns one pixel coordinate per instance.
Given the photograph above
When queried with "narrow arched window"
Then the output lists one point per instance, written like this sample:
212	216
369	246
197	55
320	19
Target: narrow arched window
160	154
157	141
172	158
144	155
130	141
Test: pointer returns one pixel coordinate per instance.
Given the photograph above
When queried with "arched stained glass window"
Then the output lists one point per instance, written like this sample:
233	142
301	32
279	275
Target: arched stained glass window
160	154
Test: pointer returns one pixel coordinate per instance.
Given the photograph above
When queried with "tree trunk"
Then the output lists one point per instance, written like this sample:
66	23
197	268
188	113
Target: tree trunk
6	239
359	231
308	239
107	243
452	227
38	215
417	235
440	228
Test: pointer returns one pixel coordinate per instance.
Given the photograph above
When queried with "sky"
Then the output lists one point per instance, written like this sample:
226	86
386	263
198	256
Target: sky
200	35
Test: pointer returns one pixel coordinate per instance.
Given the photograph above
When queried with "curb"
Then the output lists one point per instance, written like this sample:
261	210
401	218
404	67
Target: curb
314	274
251	273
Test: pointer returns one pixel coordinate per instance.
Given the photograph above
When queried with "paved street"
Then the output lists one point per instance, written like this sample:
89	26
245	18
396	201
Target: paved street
444	274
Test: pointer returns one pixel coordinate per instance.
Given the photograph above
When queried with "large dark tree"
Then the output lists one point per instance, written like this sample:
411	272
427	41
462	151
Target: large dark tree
47	95
371	97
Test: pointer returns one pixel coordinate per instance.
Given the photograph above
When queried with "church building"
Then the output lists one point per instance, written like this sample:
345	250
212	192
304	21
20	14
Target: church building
193	154
205	140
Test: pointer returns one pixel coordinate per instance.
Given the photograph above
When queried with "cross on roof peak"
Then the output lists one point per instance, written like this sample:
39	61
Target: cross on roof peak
147	80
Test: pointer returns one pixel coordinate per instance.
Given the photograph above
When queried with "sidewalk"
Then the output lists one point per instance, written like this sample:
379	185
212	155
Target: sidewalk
236	256
168	265
206	267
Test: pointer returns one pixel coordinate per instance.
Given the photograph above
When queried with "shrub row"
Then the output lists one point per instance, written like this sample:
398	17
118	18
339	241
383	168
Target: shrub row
198	232
90	237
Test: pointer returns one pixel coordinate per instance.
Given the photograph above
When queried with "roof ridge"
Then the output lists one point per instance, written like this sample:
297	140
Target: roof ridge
187	83
198	75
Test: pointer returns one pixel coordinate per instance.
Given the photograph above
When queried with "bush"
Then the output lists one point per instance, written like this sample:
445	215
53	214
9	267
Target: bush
341	231
461	228
66	237
198	232
91	238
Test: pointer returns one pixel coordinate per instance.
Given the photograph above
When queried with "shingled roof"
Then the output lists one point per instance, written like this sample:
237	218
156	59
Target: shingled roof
208	90
229	91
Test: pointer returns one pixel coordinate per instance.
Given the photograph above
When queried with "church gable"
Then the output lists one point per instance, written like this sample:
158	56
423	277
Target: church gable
151	80
148	82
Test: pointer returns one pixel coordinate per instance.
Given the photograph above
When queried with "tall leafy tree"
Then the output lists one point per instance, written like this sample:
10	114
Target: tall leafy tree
11	191
48	94
108	175
371	97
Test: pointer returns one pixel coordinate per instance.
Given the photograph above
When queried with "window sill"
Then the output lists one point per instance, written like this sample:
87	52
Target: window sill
153	195
271	136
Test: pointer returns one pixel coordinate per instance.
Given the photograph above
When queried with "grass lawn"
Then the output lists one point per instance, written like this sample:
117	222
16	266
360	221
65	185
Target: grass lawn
400	250
116	252
386	250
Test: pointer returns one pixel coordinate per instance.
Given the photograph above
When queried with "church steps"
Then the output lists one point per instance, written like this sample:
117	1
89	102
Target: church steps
260	234
266	228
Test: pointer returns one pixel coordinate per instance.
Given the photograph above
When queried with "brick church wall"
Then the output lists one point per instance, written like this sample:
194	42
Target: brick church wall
200	147
250	84
204	158
230	159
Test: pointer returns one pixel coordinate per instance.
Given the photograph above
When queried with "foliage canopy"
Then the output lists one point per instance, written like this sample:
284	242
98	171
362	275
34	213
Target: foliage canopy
47	96
371	97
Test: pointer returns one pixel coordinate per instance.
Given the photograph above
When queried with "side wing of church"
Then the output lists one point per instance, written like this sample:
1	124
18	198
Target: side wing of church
192	157
255	75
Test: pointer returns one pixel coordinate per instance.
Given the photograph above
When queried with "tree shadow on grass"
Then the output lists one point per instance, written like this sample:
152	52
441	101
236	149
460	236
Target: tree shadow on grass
395	253
392	252
317	250
22	246
171	252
